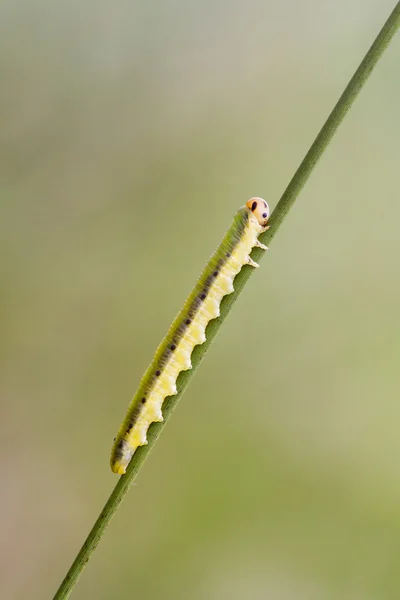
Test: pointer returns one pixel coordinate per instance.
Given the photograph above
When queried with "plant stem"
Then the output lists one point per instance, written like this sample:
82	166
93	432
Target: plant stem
295	186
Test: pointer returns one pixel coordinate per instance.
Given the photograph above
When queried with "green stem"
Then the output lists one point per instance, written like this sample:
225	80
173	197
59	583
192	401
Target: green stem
295	186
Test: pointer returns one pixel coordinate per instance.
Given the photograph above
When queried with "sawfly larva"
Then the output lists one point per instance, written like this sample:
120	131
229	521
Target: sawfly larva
188	329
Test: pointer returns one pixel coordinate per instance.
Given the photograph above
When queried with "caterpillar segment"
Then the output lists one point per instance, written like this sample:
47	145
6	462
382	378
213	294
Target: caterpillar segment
188	329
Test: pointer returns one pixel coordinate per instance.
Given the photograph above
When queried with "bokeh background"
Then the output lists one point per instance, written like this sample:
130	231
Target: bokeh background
130	134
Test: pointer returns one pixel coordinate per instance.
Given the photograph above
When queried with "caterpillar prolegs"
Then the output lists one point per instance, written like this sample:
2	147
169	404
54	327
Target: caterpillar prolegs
188	329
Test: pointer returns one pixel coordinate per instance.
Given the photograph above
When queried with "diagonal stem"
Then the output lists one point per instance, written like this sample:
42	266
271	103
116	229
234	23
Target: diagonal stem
295	186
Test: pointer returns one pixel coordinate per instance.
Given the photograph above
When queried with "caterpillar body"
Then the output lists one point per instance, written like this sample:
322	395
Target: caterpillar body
188	329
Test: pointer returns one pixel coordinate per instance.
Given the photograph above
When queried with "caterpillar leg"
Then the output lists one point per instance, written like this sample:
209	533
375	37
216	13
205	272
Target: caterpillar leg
158	418
250	261
258	244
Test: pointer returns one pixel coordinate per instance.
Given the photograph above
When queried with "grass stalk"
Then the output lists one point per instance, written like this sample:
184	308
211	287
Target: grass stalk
287	200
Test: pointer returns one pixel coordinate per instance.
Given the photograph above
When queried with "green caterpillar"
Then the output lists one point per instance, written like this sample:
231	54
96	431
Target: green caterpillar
188	329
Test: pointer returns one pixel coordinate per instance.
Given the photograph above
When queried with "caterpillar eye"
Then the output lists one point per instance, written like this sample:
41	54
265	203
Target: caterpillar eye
254	206
264	215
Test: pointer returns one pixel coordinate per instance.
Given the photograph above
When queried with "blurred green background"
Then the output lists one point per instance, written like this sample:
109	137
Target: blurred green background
130	134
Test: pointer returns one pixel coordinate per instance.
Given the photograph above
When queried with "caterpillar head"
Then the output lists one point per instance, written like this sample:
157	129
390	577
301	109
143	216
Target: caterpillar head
259	209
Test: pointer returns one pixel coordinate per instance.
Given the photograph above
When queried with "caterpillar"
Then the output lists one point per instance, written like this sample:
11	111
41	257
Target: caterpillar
173	355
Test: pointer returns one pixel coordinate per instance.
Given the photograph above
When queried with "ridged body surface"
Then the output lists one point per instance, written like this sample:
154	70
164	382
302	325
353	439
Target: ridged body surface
188	329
